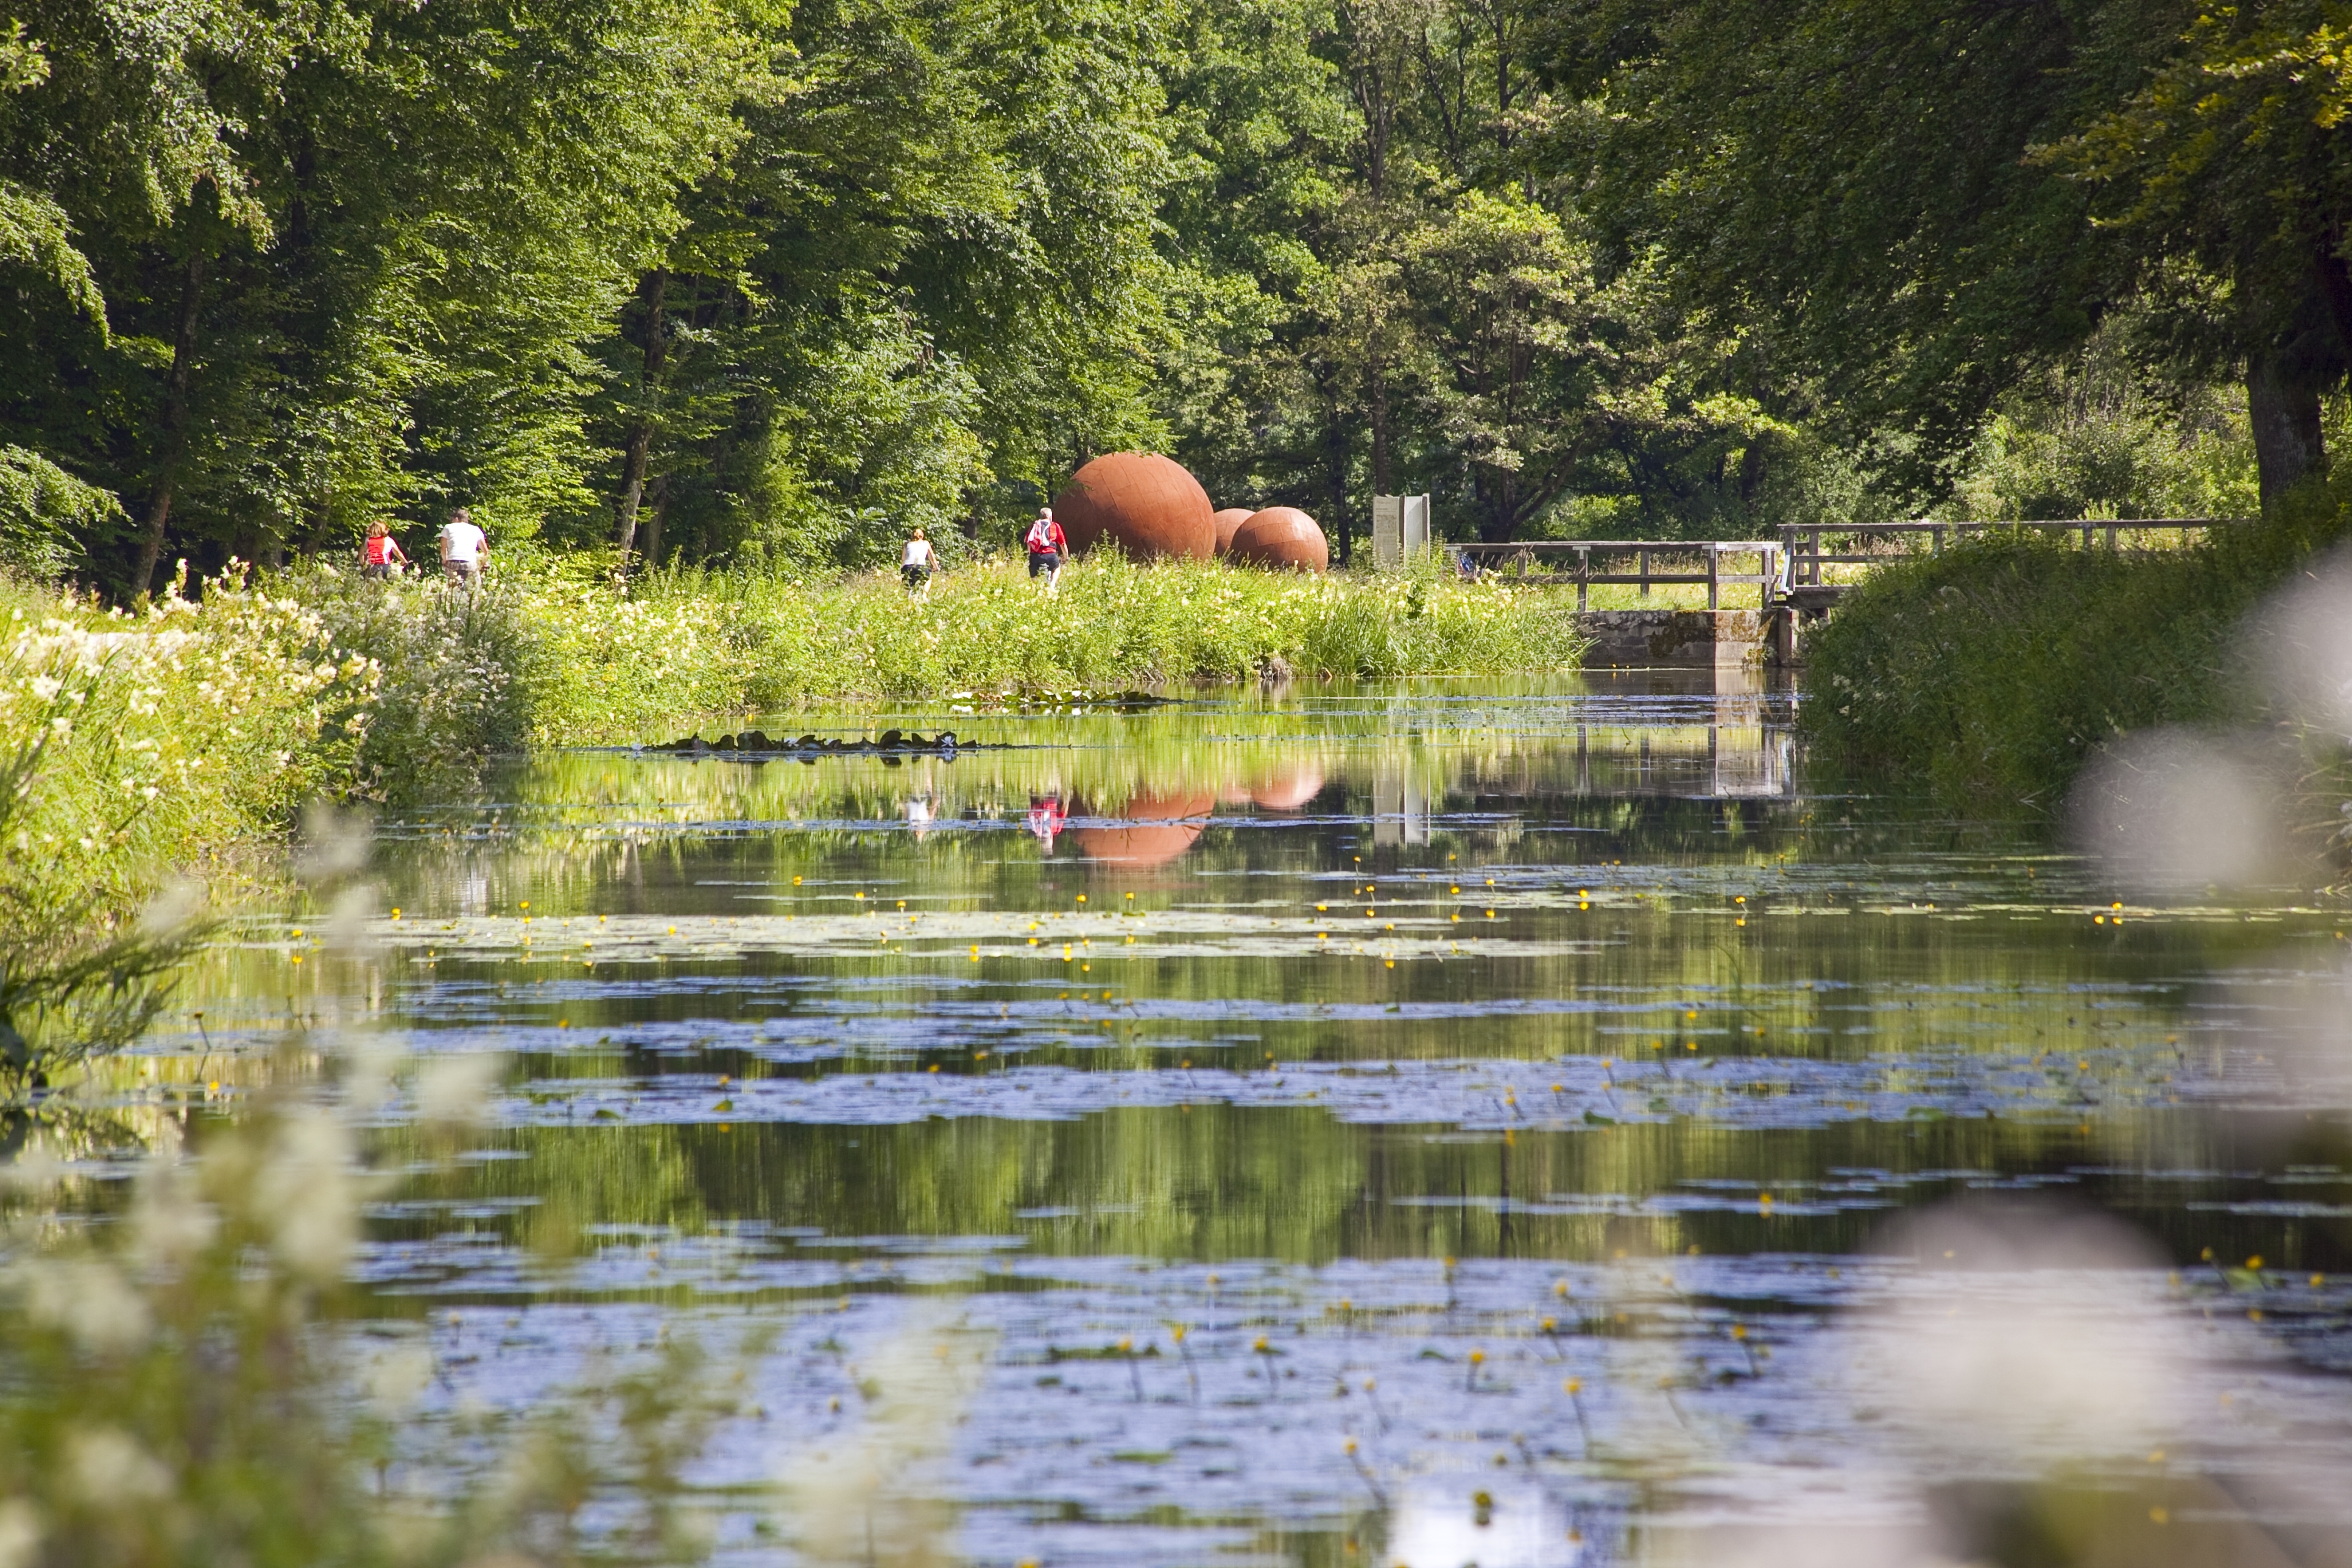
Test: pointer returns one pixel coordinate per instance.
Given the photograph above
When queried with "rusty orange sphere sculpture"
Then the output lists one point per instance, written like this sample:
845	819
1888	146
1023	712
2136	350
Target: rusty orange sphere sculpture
1152	830
1227	520
1287	787
1282	537
1145	503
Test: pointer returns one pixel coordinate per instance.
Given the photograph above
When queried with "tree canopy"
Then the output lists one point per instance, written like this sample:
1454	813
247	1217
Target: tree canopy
747	281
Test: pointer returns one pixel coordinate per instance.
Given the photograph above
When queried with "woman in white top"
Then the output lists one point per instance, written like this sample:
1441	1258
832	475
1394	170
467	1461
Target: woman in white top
918	565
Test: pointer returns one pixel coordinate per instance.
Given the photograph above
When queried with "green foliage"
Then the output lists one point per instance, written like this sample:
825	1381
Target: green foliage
454	678
1988	672
43	512
687	642
128	746
757	287
353	258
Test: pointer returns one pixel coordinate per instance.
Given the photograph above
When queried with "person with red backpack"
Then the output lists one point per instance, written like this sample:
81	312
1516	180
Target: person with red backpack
1048	547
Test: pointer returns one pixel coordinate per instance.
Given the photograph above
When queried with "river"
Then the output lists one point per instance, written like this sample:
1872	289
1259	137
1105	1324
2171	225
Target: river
1510	1122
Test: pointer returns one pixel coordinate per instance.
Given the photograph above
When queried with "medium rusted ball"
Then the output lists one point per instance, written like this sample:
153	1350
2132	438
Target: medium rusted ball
1227	520
1287	787
1282	537
1146	503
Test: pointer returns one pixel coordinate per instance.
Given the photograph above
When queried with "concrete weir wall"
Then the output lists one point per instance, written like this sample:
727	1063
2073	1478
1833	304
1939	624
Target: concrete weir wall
1683	638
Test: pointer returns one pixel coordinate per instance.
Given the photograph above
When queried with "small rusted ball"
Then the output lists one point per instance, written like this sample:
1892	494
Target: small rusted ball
1282	537
1144	502
1227	520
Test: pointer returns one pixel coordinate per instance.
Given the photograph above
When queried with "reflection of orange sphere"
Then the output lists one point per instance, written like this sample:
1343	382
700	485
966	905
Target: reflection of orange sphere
1287	786
1145	502
1232	518
1152	830
1282	537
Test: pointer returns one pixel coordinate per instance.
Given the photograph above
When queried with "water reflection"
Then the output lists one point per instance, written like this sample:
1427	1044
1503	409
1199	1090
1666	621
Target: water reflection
1500	1085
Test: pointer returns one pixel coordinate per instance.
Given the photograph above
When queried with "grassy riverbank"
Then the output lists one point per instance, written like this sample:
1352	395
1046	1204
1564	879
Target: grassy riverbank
1992	670
683	644
155	739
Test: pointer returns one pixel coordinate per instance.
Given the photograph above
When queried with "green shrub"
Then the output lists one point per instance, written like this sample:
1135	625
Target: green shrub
1989	672
455	677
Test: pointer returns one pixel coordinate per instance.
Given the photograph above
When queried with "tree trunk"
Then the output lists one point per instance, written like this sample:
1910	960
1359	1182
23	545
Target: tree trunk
2285	412
1376	395
654	519
176	425
639	444
1335	452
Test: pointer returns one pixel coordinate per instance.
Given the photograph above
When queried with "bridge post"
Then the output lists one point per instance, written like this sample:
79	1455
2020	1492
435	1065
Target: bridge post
1583	576
1641	565
1714	569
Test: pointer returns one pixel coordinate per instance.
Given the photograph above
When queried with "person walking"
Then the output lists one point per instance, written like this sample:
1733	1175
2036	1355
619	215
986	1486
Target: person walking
462	549
918	565
381	553
1048	547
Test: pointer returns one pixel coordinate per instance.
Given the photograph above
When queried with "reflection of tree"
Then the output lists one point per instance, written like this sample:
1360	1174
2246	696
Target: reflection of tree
1293	1185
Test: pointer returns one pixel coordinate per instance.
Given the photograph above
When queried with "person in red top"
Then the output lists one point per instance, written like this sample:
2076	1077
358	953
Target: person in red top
1048	547
377	556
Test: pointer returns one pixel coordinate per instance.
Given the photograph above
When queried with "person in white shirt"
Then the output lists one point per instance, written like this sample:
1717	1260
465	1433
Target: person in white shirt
464	547
918	565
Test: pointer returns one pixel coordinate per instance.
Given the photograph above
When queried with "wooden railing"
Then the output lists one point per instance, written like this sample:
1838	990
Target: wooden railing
1794	562
1565	560
1807	554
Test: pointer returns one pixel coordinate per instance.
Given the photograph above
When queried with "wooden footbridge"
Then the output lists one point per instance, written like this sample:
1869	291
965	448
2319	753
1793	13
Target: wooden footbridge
1799	576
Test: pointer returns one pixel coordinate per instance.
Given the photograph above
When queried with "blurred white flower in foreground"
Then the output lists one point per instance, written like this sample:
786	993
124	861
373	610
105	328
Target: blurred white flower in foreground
2026	1336
89	1299
865	1498
2172	810
109	1469
1797	1546
307	1189
1444	1521
455	1090
2302	642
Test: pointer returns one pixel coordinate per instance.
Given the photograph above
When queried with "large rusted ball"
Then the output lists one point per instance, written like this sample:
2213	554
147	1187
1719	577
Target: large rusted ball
1227	520
1152	830
1282	537
1144	502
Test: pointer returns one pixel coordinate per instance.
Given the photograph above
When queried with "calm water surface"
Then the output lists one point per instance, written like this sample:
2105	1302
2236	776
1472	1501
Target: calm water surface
1427	1123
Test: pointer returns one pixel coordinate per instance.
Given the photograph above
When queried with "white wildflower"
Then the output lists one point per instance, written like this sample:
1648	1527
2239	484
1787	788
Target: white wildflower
90	1300
307	1188
45	686
455	1090
169	1222
20	1532
398	1377
109	1468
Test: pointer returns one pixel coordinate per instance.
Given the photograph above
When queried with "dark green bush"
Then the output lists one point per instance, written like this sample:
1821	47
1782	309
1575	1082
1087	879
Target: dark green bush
1988	672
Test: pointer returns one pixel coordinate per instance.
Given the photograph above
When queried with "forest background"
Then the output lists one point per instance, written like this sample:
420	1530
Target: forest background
747	283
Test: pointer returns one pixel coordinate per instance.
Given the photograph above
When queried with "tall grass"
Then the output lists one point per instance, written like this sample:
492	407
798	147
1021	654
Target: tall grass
131	744
677	643
1989	672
